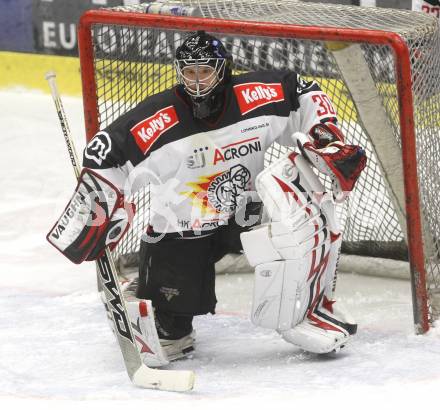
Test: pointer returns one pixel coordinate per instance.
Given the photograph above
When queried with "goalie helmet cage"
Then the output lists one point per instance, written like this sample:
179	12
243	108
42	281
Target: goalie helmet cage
379	67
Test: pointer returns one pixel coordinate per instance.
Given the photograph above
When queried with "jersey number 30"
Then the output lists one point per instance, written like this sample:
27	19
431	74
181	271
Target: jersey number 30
325	106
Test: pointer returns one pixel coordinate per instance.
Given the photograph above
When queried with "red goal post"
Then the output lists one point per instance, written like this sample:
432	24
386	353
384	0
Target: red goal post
98	99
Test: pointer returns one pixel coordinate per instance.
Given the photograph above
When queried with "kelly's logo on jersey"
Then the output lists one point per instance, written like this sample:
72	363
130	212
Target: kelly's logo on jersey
237	150
149	130
253	95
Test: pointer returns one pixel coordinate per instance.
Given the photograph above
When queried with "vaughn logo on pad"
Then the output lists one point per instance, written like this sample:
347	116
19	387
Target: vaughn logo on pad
149	130
253	95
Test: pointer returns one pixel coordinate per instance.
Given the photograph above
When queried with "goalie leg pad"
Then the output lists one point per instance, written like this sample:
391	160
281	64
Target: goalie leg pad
280	296
324	330
275	241
142	318
154	351
296	257
290	253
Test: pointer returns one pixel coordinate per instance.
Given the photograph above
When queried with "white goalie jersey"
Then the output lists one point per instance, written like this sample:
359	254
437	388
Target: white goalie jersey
199	170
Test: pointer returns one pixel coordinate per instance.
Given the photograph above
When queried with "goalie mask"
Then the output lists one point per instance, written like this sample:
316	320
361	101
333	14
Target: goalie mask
203	67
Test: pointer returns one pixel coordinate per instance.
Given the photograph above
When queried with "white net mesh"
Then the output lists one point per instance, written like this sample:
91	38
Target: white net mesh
131	63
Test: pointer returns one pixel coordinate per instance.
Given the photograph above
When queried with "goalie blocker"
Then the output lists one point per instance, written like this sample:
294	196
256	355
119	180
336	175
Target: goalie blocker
295	258
95	217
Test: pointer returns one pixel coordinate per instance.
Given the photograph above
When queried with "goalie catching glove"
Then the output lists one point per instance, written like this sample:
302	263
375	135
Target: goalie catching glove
95	217
328	153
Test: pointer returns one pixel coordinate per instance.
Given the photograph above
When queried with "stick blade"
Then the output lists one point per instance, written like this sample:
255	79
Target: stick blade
169	380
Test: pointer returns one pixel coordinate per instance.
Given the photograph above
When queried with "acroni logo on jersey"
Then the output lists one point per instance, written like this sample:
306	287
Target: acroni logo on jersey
147	131
253	95
237	150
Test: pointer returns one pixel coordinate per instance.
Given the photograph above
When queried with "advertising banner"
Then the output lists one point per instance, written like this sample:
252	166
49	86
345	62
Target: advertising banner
55	22
16	32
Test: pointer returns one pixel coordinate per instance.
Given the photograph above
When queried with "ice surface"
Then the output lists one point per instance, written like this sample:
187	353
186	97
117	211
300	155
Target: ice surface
57	350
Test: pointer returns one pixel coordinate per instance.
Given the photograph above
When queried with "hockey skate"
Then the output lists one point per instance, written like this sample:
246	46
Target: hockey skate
179	348
176	335
324	330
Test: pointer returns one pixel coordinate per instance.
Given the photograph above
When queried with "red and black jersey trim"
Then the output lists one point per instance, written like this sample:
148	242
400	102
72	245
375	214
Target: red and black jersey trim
125	149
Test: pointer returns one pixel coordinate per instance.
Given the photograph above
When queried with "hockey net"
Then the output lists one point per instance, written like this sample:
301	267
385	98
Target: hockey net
379	67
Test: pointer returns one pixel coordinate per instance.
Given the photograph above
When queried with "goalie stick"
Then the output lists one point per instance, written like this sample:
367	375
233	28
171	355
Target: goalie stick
140	374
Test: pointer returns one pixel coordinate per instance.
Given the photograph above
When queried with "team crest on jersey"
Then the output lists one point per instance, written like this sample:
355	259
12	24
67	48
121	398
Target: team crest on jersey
147	131
219	193
254	95
98	147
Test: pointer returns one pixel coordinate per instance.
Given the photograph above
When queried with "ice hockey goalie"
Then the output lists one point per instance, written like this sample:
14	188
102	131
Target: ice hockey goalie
200	147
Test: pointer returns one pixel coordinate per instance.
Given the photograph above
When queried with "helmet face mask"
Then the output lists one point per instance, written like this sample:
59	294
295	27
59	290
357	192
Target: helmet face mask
203	68
200	76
